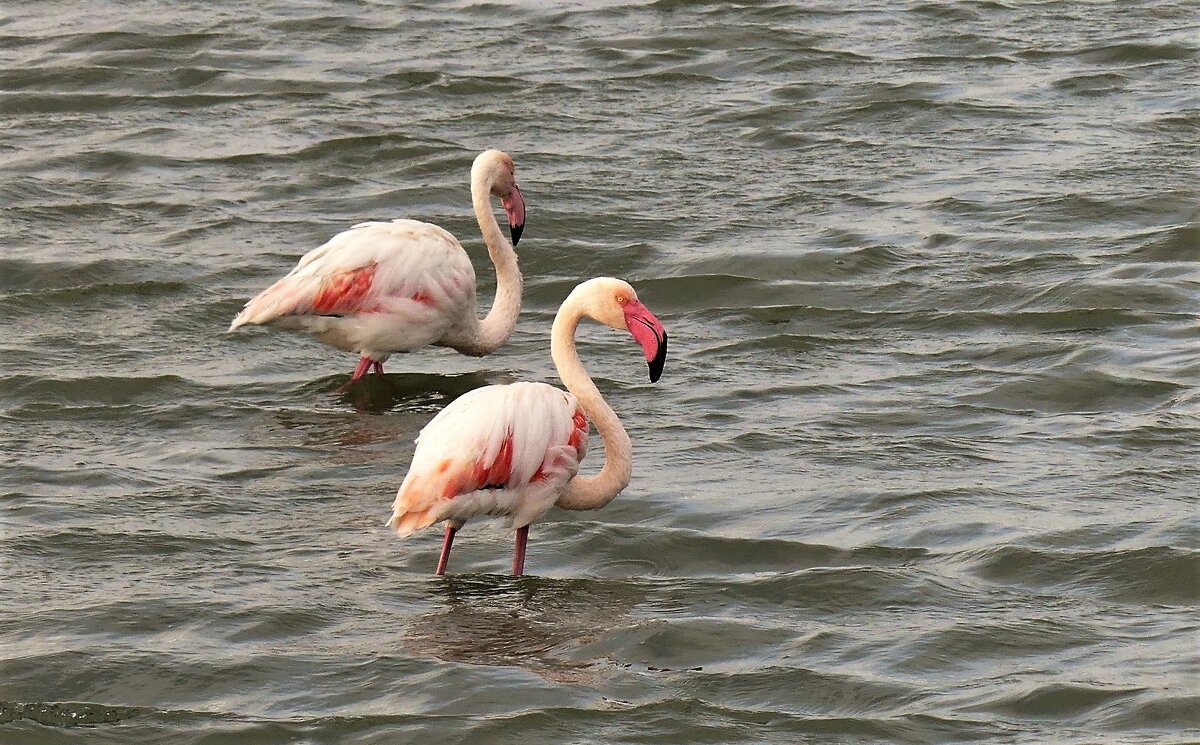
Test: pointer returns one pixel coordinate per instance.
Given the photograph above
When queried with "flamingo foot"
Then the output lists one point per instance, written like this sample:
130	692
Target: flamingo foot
518	567
447	542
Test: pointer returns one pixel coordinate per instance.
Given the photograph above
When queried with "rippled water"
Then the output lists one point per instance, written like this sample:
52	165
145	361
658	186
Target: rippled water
922	466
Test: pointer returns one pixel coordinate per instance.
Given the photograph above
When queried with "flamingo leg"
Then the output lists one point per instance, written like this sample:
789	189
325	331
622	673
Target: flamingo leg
364	364
447	542
377	367
519	551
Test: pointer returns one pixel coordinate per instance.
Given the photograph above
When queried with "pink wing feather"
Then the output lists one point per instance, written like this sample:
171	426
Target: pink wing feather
504	437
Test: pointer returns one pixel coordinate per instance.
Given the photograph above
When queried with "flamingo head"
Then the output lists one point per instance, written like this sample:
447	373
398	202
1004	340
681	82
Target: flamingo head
614	303
497	167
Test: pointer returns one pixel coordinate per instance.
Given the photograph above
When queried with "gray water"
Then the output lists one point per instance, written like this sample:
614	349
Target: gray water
922	466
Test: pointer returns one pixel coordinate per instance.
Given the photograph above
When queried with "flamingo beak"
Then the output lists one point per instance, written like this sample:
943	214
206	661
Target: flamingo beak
514	206
648	332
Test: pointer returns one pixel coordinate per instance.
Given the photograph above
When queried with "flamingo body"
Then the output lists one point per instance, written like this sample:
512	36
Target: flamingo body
377	289
503	450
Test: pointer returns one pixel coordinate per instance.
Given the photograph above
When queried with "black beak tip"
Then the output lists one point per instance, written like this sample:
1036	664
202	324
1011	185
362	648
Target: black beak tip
515	231
660	359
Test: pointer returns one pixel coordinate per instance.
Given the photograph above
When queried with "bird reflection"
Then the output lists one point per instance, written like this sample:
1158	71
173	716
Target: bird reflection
539	624
412	396
376	394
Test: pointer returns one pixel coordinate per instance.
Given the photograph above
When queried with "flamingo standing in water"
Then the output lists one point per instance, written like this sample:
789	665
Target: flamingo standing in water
514	449
386	287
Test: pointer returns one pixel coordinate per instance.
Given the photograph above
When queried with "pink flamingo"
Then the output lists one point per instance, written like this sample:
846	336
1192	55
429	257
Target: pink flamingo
514	449
386	287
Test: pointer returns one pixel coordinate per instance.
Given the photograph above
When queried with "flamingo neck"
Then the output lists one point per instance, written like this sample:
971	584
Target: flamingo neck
492	332
589	492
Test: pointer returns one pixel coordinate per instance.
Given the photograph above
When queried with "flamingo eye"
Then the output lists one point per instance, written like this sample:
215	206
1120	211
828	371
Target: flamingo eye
622	299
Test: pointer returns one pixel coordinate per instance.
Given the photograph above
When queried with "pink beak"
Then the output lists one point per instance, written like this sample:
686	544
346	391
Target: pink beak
514	206
648	332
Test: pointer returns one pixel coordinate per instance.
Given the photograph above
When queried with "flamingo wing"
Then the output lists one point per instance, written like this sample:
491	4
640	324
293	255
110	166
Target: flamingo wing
372	267
487	448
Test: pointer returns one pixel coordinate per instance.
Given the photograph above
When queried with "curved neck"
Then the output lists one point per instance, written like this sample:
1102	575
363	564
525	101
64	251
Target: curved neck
488	335
590	492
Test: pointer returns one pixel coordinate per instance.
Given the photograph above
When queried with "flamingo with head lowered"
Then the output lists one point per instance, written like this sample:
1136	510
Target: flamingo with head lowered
514	450
386	287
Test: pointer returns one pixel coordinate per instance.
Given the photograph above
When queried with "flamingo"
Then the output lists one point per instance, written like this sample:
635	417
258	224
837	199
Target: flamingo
514	450
386	287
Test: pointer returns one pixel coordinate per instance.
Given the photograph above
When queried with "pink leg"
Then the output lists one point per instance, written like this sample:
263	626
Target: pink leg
447	542
519	551
364	364
378	367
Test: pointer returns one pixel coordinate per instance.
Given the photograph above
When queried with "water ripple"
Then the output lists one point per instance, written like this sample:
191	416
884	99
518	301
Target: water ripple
919	468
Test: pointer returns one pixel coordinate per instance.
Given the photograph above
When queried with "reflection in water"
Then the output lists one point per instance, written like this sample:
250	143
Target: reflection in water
417	396
534	623
376	394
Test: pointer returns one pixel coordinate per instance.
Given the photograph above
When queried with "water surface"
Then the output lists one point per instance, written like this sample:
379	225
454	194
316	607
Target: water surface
922	466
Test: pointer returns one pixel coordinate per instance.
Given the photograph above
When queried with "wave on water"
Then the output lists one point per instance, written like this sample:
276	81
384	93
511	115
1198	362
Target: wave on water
920	468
